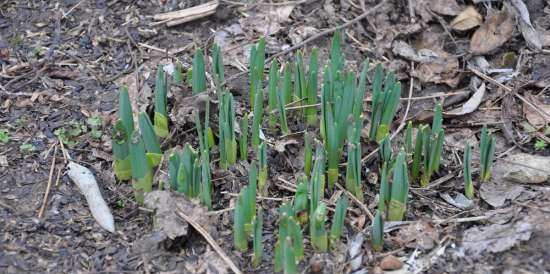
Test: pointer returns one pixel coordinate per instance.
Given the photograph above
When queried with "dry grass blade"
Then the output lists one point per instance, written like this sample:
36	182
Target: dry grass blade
49	185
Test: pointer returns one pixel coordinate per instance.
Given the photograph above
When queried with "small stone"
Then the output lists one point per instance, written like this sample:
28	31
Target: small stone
522	173
316	263
390	262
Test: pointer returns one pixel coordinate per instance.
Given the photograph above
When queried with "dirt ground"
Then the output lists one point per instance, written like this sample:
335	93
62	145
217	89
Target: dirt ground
62	63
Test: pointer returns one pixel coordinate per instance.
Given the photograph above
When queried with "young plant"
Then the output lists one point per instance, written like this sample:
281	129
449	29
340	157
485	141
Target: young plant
189	172
245	210
178	73
257	119
160	117
142	173
305	85
378	232
272	94
257	244
384	196
206	185
243	140
399	189
152	145
317	180
286	86
198	77
467	171
486	154
318	233
217	68
338	220
256	70
409	139
308	153
386	152
289	248
353	167
384	103
227	142
121	132
300	203
283	89
262	176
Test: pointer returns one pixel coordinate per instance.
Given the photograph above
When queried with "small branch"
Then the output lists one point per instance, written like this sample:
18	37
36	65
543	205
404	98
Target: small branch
48	186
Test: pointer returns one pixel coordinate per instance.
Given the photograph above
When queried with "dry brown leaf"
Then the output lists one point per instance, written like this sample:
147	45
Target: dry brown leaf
495	238
467	19
419	234
527	30
470	105
445	7
534	117
498	29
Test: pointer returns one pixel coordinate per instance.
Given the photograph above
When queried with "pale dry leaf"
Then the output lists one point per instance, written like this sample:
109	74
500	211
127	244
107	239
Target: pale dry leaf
445	7
280	145
522	173
267	21
470	105
496	237
420	235
467	19
494	32
533	116
527	30
496	194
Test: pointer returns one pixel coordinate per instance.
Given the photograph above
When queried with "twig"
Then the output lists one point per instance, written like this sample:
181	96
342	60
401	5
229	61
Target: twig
49	185
287	3
210	240
359	203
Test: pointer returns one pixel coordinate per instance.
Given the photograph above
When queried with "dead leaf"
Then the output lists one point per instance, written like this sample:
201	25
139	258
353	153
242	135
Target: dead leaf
494	32
496	237
445	7
419	234
281	144
539	173
460	201
470	105
527	30
467	19
267	21
496	194
139	99
355	251
391	262
534	117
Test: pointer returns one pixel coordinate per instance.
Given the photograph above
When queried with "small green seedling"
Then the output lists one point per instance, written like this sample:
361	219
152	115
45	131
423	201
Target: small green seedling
243	140
399	189
338	220
308	153
257	244
245	210
272	94
178	73
122	131
217	67
27	148
142	172
94	123
540	145
353	167
150	139
262	162
227	142
258	112
256	70
409	139
378	232
384	103
318	233
467	170
305	85
486	154
206	183
300	203
284	90
289	248
4	136
198	73
384	196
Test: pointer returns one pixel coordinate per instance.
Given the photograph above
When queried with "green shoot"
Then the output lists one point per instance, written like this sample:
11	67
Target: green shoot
289	258
283	89
122	131
317	180
301	200
384	196
198	77
289	248
467	171
409	139
173	168
318	233
338	220
256	70
272	93
257	119
384	103
386	150
257	244
262	175
378	232
178	73
227	142
142	173
308	153
217	67
399	189
243	140
286	86
486	154
353	168
206	184
245	210
311	89
161	117
189	174
152	145
418	149
239	234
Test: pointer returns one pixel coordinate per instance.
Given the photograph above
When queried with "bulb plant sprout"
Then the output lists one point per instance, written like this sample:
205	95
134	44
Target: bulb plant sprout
486	154
317	180
399	189
338	220
384	196
257	245
262	175
318	233
289	248
178	73
189	172
467	171
284	88
227	142
409	139
122	132
152	145
258	112
378	232
308	153
245	210
206	185
300	203
305	85
272	94
337	100
198	77
217	67
384	103
256	69
161	117
142	173
353	167
386	150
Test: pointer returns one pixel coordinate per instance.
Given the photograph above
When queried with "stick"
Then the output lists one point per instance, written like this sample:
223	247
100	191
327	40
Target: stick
49	185
185	15
359	203
210	240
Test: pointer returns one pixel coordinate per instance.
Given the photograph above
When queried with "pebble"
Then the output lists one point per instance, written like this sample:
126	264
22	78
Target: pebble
391	262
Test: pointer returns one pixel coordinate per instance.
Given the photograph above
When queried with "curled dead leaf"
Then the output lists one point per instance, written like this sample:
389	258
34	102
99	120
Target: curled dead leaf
472	103
445	7
467	19
534	117
493	33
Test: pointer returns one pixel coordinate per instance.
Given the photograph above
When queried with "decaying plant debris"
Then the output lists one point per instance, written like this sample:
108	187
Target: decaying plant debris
484	62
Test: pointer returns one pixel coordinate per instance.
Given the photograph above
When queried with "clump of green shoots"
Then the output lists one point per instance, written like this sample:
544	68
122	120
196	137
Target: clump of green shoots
338	98
338	220
256	70
245	210
187	178
142	172
206	183
318	233
305	85
262	163
467	171
272	94
284	97
152	145
289	248
308	153
386	153
378	232
198	77
399	189
353	167
161	117
300	203
486	154
122	131
227	142
384	103
243	140
257	245
428	148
